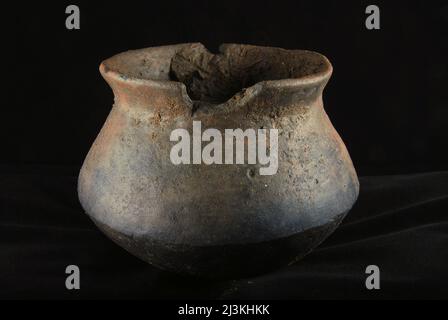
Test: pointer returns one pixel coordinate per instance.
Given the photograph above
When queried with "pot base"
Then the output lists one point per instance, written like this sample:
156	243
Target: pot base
231	261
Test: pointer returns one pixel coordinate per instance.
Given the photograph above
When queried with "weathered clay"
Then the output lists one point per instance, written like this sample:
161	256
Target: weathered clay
217	220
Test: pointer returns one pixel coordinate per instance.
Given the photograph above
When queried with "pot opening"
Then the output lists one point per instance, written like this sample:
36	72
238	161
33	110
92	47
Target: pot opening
215	78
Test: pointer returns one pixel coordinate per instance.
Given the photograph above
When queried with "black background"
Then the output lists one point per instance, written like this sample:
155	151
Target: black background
387	97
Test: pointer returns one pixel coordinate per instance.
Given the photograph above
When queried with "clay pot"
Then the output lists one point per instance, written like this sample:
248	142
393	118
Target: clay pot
218	220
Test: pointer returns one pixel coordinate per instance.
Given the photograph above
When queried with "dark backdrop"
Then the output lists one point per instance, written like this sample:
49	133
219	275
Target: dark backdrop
387	97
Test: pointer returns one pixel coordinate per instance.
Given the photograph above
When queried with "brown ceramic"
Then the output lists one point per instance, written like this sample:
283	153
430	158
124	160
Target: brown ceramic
217	220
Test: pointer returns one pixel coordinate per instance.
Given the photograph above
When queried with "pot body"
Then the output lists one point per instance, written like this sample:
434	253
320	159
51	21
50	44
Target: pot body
216	220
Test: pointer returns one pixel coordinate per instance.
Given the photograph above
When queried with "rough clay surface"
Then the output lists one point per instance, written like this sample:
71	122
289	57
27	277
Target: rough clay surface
178	217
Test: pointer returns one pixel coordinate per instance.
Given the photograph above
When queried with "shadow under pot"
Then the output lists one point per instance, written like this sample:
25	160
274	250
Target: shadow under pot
218	165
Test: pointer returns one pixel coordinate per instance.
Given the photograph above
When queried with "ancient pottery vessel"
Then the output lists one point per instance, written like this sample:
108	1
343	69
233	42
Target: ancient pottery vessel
218	220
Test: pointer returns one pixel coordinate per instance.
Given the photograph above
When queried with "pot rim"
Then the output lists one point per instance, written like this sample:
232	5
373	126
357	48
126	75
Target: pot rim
117	68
